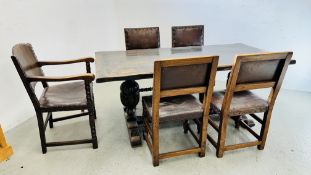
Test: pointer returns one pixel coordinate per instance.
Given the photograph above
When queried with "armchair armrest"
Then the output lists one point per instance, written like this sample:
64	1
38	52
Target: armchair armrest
79	60
87	76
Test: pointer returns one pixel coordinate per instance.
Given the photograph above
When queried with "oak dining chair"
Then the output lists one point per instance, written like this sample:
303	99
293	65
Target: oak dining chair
142	38
249	72
75	94
183	36
172	100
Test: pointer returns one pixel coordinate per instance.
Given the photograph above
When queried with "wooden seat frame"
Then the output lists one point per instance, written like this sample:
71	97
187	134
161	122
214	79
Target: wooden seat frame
232	87
153	129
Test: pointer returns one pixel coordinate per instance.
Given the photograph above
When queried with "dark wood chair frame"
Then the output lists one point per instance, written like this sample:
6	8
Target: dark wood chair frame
174	44
232	87
153	129
42	124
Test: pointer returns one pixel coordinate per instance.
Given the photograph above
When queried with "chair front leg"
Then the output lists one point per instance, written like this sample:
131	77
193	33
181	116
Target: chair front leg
41	131
93	102
93	128
91	108
222	135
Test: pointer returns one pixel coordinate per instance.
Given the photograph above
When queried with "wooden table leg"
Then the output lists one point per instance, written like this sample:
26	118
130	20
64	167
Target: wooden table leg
129	96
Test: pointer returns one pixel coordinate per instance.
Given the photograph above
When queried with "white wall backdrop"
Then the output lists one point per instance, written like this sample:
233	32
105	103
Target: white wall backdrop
61	29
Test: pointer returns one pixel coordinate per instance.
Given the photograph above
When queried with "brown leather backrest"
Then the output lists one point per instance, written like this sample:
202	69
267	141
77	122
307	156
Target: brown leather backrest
26	64
184	72
185	76
183	36
255	69
27	61
142	38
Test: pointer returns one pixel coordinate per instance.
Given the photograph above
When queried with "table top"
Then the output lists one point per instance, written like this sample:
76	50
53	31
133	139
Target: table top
138	64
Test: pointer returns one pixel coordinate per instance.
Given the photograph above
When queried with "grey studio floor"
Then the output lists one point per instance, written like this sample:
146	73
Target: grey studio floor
288	148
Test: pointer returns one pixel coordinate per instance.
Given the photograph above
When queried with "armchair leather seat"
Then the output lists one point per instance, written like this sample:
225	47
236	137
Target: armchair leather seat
64	95
244	102
176	108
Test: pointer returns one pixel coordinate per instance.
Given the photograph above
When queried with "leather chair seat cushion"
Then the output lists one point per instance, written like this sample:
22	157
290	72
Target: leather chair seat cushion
176	108
69	95
244	102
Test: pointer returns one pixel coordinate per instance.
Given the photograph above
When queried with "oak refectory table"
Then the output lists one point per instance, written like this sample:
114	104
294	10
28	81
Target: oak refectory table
132	65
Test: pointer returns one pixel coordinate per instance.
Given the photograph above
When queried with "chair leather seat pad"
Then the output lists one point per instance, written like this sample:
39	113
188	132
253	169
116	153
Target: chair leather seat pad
244	102
64	95
176	108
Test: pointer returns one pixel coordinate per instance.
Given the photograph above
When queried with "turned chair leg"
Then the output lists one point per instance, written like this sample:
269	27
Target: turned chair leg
93	129
51	121
93	106
42	132
95	116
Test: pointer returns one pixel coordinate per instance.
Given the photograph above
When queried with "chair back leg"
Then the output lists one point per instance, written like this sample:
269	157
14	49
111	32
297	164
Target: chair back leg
42	132
222	136
203	134
155	145
264	129
51	120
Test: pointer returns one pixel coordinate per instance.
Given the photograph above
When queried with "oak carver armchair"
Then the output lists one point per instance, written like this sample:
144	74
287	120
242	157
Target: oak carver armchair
77	94
249	72
172	100
183	36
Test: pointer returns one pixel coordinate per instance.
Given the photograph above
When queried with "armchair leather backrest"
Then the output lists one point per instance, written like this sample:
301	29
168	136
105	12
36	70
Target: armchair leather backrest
27	59
26	64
